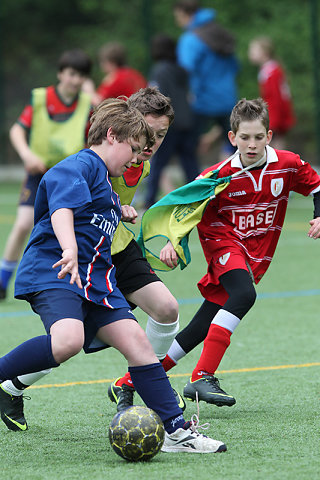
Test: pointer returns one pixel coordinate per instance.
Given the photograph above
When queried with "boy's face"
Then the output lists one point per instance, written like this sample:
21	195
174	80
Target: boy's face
70	81
160	127
255	53
251	140
124	154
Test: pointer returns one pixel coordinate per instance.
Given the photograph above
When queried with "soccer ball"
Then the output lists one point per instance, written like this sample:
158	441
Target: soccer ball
136	433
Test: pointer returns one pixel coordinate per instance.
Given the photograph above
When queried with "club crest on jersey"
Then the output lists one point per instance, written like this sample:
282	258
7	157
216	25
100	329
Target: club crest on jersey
224	258
276	186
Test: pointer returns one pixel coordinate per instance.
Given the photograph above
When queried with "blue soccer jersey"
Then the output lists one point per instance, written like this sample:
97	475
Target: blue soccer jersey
80	182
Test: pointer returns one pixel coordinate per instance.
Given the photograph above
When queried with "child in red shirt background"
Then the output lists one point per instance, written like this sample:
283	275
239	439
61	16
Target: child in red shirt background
273	88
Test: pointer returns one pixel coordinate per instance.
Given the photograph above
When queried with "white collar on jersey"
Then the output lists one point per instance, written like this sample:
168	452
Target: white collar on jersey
271	157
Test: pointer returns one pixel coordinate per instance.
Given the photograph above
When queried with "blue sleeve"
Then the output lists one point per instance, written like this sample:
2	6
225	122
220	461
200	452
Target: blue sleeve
67	186
189	50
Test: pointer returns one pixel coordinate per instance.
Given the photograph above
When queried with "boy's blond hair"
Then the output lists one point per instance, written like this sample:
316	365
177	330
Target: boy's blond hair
125	121
248	110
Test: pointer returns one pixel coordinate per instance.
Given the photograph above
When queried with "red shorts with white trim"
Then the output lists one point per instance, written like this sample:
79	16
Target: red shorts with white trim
222	260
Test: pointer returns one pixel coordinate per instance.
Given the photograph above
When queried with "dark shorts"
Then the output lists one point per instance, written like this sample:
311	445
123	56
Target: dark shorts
29	189
58	303
132	270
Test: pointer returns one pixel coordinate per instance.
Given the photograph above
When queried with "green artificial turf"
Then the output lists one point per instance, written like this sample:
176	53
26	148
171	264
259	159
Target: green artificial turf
272	368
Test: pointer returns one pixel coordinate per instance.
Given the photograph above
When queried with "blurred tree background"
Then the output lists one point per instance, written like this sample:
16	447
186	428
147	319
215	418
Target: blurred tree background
33	33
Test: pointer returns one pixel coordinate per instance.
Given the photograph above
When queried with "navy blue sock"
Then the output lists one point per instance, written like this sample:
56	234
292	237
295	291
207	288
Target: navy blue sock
153	386
31	356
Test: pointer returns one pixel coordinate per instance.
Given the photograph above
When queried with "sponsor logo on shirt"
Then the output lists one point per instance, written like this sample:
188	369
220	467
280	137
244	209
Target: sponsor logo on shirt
237	194
252	221
108	226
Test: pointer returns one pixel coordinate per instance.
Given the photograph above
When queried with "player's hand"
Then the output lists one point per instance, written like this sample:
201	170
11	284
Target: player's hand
314	231
33	164
69	264
129	214
169	256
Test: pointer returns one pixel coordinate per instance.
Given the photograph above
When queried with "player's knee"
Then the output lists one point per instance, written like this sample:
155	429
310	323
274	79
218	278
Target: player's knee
167	311
64	349
248	296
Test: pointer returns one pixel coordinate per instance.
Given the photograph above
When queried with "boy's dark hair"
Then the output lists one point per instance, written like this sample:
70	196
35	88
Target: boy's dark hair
113	52
125	121
76	59
163	47
150	101
188	6
248	110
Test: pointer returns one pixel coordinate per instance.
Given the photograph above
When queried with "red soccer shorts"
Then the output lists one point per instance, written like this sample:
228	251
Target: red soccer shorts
228	257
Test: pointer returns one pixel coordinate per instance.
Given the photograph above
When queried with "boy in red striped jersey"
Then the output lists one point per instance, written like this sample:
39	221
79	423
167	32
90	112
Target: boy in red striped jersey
239	232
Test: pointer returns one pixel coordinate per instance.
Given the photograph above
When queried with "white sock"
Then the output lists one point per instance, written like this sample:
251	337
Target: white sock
161	335
226	320
175	352
27	379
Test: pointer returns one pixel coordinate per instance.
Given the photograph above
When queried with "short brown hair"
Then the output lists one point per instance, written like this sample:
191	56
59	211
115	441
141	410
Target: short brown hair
125	120
188	6
113	52
150	101
247	110
76	59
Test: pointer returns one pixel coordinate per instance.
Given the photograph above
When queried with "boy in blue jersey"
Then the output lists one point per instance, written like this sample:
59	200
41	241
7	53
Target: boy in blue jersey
76	215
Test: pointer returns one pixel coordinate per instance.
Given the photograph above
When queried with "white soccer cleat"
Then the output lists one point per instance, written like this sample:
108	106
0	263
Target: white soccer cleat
190	440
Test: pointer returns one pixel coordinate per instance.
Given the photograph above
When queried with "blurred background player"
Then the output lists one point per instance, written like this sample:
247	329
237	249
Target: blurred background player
172	81
51	127
274	89
206	50
120	79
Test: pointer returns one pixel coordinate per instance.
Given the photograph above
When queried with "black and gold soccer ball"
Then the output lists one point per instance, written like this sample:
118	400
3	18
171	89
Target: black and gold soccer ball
136	433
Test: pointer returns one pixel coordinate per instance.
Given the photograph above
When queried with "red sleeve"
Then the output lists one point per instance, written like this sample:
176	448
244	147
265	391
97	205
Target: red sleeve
125	82
109	90
25	118
306	178
270	91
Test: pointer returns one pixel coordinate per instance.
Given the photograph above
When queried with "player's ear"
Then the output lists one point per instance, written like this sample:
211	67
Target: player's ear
232	138
269	136
110	136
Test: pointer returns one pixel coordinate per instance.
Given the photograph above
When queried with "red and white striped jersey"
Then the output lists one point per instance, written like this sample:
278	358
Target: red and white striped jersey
250	212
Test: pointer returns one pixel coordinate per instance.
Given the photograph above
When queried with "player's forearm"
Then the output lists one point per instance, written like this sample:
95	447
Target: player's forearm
63	226
18	137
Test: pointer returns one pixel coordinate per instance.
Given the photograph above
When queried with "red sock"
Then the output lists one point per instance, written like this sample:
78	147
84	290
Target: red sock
125	380
216	343
168	363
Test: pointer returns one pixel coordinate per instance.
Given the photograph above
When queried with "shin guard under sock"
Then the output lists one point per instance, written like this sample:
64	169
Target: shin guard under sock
31	356
153	386
215	345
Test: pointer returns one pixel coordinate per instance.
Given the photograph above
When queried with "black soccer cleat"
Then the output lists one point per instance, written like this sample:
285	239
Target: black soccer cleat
180	401
11	408
122	396
208	390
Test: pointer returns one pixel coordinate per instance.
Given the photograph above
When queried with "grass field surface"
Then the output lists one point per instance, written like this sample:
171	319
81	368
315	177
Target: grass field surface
272	368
